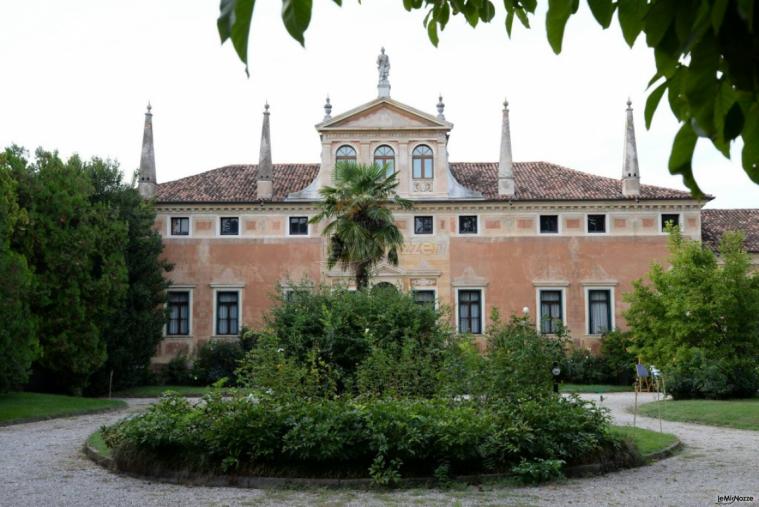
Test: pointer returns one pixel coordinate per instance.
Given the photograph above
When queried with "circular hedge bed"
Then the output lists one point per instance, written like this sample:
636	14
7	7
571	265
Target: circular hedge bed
383	439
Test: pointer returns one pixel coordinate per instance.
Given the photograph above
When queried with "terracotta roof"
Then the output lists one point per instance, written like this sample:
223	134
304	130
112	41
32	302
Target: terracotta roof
715	222
535	181
543	181
236	183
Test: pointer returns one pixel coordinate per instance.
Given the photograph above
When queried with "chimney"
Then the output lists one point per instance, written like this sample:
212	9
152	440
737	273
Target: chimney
505	164
630	173
147	183
264	174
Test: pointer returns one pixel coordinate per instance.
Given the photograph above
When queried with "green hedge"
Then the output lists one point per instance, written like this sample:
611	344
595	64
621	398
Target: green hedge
384	439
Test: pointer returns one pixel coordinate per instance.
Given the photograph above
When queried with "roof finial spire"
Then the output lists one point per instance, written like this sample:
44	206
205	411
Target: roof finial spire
505	163
630	171
147	178
383	66
440	107
327	110
264	172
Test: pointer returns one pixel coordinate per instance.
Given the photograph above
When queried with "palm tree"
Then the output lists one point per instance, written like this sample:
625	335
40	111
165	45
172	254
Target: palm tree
362	231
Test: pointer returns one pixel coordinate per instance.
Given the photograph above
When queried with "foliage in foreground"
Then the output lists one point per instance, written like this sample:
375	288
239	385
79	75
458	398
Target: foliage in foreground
698	321
704	51
386	439
357	384
614	365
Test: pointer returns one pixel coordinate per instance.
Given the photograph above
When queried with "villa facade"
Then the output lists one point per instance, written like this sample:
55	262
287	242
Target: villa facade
524	237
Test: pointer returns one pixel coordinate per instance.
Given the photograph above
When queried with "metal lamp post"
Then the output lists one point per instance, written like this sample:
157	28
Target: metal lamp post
556	371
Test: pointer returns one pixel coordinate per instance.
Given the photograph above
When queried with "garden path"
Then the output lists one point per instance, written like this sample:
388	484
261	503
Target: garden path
42	464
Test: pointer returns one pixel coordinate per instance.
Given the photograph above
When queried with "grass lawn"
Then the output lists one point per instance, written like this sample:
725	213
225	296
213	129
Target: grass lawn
24	407
647	441
740	414
593	388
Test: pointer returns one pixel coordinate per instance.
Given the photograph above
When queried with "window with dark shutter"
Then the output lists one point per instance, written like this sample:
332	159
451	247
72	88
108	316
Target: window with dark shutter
550	311
230	226
549	224
298	226
227	312
179	313
423	225
470	311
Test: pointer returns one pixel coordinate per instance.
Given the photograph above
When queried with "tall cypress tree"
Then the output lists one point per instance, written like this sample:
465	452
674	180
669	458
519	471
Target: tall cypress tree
132	336
18	341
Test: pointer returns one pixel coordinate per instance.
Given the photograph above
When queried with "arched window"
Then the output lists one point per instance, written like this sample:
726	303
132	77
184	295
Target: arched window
384	156
421	159
345	153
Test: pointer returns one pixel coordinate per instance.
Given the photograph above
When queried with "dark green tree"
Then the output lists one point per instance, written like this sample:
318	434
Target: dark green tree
74	246
132	335
706	54
18	341
361	228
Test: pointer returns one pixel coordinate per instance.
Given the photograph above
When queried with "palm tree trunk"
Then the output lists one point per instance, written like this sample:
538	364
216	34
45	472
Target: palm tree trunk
362	275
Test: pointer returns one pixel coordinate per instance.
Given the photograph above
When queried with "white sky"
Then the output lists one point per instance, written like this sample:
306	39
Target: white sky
76	76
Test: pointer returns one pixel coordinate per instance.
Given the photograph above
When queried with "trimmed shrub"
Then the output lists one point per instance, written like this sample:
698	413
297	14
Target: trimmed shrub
384	439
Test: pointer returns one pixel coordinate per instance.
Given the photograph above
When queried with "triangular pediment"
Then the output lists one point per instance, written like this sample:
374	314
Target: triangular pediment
384	113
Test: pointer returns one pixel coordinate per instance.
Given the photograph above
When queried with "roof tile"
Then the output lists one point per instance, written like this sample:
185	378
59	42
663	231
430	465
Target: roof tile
715	222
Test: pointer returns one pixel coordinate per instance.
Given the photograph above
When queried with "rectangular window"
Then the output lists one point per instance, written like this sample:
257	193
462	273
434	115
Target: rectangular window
227	312
179	313
596	223
672	218
424	297
422	225
470	311
550	311
468	224
298	226
599	311
180	226
549	224
229	226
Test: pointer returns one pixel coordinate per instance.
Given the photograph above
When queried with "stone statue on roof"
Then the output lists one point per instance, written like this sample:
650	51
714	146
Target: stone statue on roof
383	66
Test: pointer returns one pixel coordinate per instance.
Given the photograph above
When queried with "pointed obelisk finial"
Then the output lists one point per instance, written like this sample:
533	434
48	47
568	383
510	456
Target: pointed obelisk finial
147	178
327	110
505	164
383	67
630	172
264	174
440	107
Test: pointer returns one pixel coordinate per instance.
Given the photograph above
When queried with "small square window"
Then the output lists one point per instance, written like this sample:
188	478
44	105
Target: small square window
180	226
549	224
422	225
230	226
596	223
298	226
424	297
468	224
671	218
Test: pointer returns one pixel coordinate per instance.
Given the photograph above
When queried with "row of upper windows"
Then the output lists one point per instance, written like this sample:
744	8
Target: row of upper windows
423	224
421	159
548	224
230	226
551	310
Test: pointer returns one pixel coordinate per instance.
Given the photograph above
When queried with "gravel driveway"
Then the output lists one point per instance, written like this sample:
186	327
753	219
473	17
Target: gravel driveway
42	464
